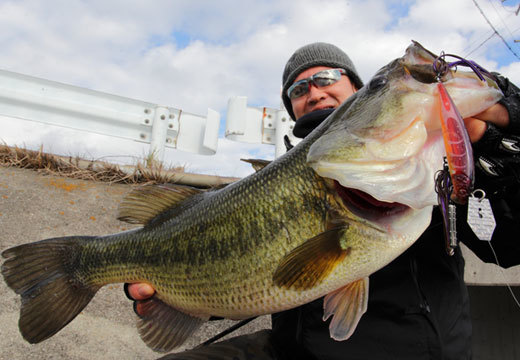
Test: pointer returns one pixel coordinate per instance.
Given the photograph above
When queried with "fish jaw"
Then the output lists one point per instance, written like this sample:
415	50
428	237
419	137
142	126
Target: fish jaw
384	147
403	182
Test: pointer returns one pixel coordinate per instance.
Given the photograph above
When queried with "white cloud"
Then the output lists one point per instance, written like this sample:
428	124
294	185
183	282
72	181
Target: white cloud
197	54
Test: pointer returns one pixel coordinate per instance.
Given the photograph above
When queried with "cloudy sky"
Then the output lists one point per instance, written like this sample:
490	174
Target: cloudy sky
194	55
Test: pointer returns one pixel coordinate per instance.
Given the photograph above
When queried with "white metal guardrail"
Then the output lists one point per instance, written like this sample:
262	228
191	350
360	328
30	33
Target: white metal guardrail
49	102
54	103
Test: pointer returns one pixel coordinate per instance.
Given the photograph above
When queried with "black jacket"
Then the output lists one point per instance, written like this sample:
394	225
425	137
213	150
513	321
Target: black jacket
418	305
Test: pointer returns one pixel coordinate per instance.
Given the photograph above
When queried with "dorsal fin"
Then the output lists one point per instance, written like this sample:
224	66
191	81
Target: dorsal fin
258	164
144	203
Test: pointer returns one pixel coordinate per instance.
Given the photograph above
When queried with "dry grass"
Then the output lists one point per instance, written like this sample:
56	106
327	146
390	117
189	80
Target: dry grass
74	167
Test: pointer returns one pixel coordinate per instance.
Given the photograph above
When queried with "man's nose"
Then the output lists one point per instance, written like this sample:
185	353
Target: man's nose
315	93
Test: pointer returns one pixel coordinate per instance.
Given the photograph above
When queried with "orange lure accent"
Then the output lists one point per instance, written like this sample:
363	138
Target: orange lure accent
458	147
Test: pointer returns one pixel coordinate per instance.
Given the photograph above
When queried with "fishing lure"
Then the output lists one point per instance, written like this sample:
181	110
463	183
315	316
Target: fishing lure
454	183
459	153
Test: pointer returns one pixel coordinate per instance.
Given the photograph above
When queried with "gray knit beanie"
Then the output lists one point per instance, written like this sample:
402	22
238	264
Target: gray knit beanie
316	54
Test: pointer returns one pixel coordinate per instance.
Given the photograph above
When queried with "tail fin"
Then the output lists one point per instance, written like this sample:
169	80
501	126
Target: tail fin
41	273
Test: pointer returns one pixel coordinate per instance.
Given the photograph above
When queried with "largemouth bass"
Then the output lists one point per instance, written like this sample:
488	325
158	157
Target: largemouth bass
346	201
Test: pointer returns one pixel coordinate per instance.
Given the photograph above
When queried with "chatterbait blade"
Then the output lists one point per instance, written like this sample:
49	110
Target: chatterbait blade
458	147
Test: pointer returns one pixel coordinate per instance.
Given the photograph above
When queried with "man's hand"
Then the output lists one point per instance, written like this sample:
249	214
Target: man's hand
138	292
496	114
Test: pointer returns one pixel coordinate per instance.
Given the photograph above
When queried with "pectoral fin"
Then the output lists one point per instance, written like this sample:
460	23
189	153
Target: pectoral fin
346	305
164	328
310	263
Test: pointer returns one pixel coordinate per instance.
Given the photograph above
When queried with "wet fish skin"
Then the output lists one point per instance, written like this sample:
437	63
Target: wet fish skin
279	238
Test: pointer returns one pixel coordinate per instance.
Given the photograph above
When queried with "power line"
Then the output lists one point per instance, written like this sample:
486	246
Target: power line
495	30
477	40
482	43
513	12
500	17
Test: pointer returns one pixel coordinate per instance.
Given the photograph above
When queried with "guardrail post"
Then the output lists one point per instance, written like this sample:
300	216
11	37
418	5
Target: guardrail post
283	127
159	130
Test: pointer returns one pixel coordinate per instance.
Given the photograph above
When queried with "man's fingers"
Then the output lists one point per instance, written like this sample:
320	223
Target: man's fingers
140	291
496	114
476	128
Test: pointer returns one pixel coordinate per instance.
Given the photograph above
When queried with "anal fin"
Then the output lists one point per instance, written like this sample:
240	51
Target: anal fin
162	327
346	305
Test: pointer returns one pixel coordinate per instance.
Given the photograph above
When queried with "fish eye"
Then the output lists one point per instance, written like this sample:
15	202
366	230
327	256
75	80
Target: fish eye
377	82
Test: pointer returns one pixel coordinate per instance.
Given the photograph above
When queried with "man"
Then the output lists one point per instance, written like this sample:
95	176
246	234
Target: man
418	304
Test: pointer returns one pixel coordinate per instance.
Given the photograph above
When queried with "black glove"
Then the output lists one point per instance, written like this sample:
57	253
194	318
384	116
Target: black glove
287	142
497	162
511	101
497	154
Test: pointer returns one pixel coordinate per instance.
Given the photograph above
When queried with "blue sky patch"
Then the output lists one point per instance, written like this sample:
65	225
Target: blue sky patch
398	9
182	39
500	53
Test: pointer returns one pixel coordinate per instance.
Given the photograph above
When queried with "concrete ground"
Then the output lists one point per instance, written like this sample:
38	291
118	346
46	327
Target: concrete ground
34	207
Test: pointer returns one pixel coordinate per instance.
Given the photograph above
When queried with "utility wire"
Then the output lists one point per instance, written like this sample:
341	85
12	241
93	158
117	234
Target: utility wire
470	46
478	47
495	30
478	40
500	17
512	12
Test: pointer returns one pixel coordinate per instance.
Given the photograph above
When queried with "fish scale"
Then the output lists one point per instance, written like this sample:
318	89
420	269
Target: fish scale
174	242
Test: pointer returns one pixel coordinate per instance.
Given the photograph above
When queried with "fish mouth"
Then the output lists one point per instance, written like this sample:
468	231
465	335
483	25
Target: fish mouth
364	205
